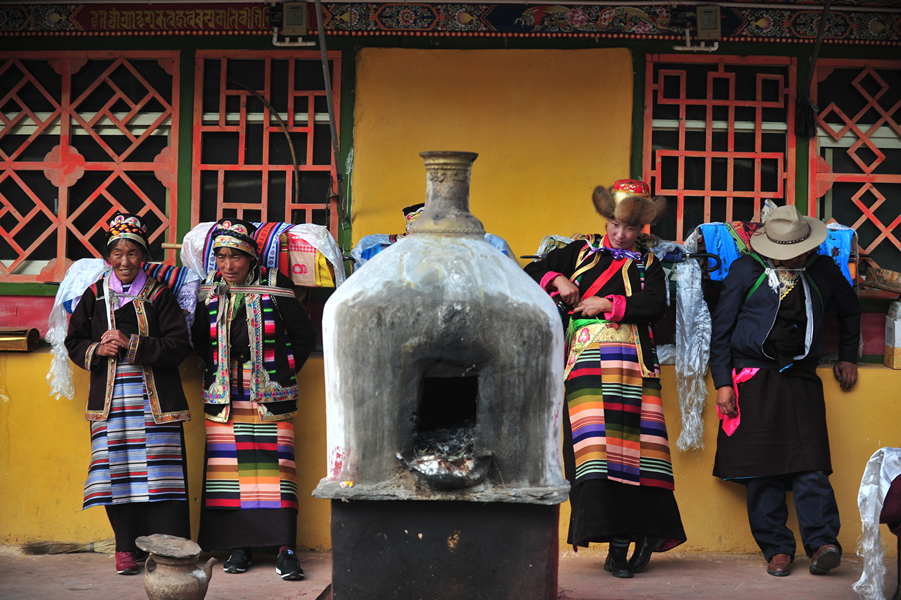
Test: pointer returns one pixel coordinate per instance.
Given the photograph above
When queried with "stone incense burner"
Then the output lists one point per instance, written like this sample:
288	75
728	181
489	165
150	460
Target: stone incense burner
444	391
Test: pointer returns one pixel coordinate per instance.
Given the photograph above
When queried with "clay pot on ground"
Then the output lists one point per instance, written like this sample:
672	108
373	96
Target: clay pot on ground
171	571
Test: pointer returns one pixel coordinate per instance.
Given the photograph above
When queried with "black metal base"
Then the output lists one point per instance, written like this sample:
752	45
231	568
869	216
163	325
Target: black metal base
434	550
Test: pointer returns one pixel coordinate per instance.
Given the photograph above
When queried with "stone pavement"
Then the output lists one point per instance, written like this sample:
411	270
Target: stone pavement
710	576
92	576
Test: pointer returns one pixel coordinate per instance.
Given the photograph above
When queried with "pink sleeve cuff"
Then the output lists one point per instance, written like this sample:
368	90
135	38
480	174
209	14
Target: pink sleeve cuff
548	278
619	309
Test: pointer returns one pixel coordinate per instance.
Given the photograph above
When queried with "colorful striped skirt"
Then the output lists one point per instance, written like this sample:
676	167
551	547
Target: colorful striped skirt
250	462
618	428
132	458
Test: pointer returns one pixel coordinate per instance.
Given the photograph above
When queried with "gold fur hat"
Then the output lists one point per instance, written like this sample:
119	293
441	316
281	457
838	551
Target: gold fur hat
629	201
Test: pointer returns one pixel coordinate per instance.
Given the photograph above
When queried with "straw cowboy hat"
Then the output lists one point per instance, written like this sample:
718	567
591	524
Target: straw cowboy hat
787	234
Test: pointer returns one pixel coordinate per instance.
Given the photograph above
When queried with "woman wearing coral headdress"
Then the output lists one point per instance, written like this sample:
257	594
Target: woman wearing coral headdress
616	452
130	333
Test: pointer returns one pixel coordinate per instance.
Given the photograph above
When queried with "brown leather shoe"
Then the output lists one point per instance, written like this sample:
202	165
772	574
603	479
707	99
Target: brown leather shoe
780	565
827	557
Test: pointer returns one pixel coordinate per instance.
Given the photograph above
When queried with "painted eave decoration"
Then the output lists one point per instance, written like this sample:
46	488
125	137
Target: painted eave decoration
870	22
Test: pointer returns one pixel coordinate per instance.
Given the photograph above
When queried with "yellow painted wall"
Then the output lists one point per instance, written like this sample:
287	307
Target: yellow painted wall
548	125
45	449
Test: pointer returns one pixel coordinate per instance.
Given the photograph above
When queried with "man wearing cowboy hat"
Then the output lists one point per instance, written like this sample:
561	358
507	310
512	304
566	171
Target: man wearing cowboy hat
766	343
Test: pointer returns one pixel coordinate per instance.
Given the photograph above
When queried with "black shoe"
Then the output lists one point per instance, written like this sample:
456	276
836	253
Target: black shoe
608	564
641	556
238	561
616	559
287	566
141	555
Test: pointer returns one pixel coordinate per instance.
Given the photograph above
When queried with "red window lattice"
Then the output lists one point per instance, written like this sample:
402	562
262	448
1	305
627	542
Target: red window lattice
244	166
855	159
82	136
718	136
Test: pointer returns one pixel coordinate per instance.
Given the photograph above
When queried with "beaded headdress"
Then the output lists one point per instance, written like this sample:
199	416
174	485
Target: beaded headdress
127	227
237	234
411	213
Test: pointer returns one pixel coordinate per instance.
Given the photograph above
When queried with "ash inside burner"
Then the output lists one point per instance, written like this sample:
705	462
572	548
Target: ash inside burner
451	443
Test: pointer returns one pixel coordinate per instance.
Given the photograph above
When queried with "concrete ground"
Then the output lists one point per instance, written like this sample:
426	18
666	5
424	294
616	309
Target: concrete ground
710	576
92	576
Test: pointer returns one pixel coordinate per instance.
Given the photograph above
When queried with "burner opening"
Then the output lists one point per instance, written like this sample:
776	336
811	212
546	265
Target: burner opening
447	417
444	435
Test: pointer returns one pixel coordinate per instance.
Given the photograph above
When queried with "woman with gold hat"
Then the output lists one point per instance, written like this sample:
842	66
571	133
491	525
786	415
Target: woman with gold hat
766	344
616	451
130	334
253	336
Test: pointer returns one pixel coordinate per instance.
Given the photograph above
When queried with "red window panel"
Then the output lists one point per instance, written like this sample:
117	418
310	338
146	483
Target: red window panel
247	105
83	135
855	159
718	136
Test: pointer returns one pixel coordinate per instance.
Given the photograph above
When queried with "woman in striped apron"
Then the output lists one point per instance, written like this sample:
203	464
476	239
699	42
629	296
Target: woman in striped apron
130	334
253	336
616	451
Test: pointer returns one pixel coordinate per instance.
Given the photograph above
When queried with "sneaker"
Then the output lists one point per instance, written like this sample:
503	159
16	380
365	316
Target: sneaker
126	564
141	555
287	566
238	561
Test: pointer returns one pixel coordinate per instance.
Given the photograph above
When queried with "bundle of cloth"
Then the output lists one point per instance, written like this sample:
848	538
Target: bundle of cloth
370	245
183	283
306	253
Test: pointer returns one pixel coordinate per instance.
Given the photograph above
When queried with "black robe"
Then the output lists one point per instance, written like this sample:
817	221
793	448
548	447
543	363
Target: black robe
783	414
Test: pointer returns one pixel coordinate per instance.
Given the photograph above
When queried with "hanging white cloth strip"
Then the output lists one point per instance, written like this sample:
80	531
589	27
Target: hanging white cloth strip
693	330
882	468
78	278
